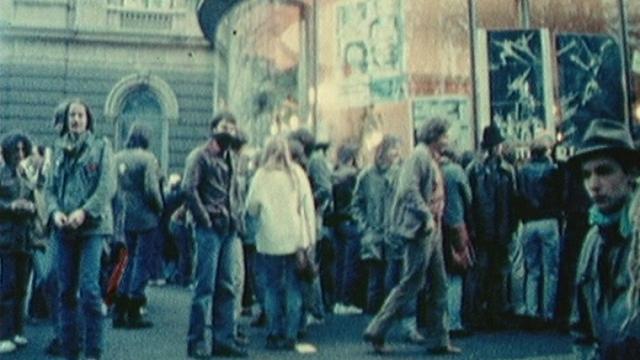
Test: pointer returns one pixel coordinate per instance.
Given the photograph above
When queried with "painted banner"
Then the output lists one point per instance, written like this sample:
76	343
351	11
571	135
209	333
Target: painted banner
519	83
590	79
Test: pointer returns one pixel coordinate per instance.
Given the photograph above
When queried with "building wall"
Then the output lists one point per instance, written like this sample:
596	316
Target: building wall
51	52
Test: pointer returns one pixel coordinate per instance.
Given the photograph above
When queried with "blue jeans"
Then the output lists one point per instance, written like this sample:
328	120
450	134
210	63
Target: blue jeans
454	297
183	237
140	247
283	296
375	284
347	246
14	277
215	289
79	273
541	243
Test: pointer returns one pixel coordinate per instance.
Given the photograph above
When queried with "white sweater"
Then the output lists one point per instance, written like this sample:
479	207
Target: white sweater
284	209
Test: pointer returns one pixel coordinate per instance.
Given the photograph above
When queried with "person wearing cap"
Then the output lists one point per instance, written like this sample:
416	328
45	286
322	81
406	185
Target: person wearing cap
493	222
79	189
209	186
608	164
538	181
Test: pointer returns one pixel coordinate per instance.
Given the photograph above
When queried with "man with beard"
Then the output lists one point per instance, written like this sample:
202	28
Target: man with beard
209	186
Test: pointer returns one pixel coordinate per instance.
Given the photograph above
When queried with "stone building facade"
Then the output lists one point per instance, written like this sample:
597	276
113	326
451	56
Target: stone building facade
129	59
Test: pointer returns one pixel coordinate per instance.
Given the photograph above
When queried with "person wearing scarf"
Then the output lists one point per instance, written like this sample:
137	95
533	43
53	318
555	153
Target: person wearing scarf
79	190
607	161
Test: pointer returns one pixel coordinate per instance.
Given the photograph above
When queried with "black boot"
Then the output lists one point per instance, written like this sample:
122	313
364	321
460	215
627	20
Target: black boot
120	304
135	317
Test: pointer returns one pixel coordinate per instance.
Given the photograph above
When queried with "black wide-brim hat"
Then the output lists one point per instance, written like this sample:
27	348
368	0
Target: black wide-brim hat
606	137
491	136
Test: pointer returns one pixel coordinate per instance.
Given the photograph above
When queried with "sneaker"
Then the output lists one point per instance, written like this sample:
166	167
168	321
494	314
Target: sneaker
312	320
20	340
340	309
7	346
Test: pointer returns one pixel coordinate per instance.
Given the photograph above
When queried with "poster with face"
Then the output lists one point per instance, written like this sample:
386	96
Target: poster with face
590	77
370	41
453	108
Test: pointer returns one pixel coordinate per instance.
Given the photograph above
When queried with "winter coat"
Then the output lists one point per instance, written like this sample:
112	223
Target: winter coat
139	185
16	226
373	193
84	178
539	186
210	187
493	210
283	206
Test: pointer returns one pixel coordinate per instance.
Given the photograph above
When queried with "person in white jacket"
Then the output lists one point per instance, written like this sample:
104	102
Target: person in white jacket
281	201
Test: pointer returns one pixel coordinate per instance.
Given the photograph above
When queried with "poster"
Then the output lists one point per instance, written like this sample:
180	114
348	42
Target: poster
455	109
590	81
519	83
370	42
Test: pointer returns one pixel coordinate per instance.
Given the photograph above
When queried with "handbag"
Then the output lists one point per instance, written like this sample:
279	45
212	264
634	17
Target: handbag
305	266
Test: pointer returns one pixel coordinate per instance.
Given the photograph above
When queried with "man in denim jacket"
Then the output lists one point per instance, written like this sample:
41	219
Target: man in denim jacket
79	191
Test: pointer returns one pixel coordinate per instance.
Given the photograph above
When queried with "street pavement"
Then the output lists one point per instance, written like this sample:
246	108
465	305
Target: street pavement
339	338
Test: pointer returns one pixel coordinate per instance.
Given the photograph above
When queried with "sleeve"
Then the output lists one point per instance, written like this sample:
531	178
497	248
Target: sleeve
416	172
309	211
106	188
190	182
152	184
252	203
51	189
359	202
322	187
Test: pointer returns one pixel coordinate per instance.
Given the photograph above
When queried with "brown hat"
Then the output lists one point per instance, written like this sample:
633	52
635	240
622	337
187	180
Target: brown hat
606	137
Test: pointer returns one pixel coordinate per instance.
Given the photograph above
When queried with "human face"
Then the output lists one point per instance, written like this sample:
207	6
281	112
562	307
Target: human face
441	144
22	152
77	121
606	183
226	126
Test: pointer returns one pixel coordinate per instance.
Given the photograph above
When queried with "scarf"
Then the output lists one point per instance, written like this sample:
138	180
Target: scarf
602	220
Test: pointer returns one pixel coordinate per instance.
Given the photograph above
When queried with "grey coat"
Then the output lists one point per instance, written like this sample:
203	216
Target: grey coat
83	179
139	187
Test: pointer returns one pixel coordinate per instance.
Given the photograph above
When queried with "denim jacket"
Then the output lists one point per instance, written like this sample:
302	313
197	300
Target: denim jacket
83	179
15	226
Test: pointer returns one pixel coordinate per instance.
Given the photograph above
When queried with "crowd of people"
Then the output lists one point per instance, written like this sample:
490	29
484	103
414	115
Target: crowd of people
452	243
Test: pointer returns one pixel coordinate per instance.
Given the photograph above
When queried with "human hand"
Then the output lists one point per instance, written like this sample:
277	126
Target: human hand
77	218
60	220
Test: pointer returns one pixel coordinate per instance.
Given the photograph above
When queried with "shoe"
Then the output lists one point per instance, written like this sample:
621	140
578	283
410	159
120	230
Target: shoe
445	350
7	346
134	315
227	350
197	352
312	320
414	337
241	339
377	342
20	340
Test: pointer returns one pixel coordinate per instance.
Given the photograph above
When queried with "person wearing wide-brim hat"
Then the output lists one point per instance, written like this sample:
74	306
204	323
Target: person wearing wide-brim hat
607	161
493	185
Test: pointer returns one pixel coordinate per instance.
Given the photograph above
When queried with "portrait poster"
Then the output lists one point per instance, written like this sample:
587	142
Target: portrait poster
455	109
520	90
370	47
590	81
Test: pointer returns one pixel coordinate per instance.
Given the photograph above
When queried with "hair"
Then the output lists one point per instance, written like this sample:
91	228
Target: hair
538	148
139	136
219	117
634	258
347	154
60	116
65	125
388	142
276	156
240	140
305	138
9	145
297	153
432	130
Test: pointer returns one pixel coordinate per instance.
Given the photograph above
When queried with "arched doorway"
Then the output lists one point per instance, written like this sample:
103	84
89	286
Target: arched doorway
149	99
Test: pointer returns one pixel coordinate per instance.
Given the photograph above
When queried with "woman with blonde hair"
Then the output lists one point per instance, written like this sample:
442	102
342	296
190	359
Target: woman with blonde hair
281	201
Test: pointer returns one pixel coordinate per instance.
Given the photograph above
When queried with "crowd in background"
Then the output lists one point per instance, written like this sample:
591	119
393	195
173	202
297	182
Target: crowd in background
453	243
